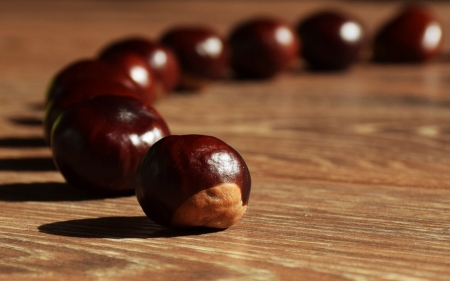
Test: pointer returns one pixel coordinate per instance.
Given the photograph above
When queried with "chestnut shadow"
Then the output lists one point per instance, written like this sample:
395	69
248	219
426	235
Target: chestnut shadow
38	106
241	78
34	164
42	192
33	142
27	121
117	228
185	91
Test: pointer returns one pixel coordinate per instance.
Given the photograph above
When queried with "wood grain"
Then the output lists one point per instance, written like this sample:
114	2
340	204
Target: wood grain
350	170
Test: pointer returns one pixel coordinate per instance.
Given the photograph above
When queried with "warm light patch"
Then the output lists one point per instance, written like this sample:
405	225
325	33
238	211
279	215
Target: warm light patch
284	36
433	35
149	137
159	59
350	31
211	47
224	163
139	75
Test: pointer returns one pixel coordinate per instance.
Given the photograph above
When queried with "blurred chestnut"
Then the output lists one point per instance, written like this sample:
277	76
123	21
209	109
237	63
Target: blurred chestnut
262	47
193	180
79	91
414	35
98	144
202	54
138	69
89	70
159	58
330	40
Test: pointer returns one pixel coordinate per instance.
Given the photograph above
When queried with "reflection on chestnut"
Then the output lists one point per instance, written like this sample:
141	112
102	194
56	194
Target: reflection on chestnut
159	58
202	54
138	69
414	35
98	144
330	40
262	47
79	91
89	70
193	180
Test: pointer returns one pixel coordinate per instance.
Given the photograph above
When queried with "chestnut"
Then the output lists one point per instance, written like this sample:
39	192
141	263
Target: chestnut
202	53
138	69
331	40
158	57
193	180
79	91
98	144
89	69
413	36
262	47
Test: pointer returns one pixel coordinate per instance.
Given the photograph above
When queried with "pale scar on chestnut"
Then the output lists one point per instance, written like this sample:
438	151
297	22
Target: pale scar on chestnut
220	206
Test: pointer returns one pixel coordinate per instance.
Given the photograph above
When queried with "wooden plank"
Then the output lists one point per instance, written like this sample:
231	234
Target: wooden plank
350	170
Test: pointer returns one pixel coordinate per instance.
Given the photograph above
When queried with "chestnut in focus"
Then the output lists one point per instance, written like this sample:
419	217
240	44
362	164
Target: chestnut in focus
262	47
193	180
138	69
413	36
159	58
202	53
89	70
330	40
98	144
79	91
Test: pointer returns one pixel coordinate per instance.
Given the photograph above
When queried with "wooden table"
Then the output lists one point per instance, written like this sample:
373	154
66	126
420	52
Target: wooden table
350	170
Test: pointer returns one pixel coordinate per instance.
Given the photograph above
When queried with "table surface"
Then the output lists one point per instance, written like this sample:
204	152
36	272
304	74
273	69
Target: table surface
350	170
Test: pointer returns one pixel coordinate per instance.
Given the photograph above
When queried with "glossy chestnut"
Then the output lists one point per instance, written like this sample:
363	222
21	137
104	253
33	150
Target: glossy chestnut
201	51
79	91
331	40
193	180
159	58
414	35
138	69
88	69
262	47
98	144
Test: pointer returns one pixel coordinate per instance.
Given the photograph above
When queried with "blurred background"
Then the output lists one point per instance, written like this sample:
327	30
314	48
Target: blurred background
33	31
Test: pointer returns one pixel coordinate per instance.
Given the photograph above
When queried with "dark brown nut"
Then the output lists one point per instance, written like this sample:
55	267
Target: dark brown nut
262	47
202	53
138	69
193	180
159	58
331	40
413	36
79	91
87	69
98	144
